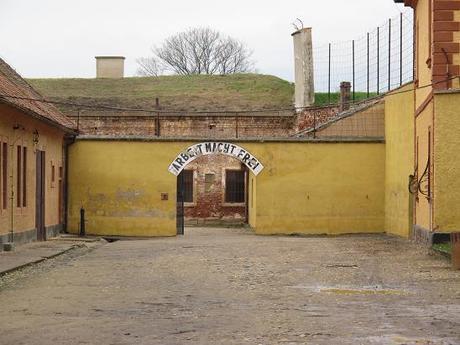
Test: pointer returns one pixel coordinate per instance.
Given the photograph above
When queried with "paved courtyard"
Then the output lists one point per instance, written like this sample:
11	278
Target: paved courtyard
228	286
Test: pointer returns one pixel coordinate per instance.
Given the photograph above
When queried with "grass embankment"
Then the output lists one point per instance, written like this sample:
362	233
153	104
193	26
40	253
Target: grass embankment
192	93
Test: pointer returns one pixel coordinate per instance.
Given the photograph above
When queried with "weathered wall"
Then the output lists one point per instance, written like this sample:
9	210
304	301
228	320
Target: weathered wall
315	116
447	162
307	188
320	188
198	126
50	141
369	122
110	66
423	204
209	204
399	160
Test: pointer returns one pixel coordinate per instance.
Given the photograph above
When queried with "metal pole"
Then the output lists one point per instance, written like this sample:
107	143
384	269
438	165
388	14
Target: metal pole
400	49
329	77
378	60
82	223
389	54
353	55
368	93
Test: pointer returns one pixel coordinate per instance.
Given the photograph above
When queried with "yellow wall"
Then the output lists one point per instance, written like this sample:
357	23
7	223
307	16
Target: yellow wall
307	188
423	206
252	200
50	141
399	160
320	188
447	162
423	44
119	184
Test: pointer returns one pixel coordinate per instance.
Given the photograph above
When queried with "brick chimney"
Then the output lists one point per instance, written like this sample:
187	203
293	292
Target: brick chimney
110	66
303	58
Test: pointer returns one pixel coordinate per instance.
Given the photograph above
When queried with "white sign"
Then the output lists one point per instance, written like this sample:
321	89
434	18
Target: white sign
208	148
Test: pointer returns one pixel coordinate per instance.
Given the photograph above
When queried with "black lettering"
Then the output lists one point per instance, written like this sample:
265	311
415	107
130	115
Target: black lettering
246	157
241	153
208	147
226	148
199	148
184	157
233	148
214	147
175	166
180	162
219	147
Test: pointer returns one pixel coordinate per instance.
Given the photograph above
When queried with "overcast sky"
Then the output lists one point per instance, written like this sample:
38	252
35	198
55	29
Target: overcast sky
59	38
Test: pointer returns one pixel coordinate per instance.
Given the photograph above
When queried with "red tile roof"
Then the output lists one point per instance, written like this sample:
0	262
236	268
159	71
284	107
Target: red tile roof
12	84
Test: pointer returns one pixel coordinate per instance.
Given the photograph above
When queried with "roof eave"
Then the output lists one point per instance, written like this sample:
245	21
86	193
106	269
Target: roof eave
409	3
39	117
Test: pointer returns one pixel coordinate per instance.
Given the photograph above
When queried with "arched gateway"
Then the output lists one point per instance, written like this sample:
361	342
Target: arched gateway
207	148
224	189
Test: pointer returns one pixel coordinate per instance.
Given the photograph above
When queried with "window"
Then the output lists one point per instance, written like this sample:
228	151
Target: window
208	182
188	185
53	174
234	186
24	176
4	175
21	176
18	175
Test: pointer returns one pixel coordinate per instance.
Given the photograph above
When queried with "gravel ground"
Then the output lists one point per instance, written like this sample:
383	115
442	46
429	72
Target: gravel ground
228	286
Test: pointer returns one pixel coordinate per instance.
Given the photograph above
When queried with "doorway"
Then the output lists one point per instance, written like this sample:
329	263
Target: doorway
40	196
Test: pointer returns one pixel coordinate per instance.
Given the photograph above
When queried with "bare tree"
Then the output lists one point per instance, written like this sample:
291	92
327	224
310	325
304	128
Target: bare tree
201	51
148	67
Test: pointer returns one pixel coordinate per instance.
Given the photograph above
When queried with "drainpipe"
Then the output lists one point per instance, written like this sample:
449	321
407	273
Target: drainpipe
68	141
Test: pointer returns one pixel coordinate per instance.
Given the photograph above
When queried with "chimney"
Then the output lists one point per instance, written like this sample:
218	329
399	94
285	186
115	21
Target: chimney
110	66
345	95
303	55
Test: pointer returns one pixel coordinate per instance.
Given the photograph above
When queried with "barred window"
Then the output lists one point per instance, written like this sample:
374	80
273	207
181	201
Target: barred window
234	186
188	185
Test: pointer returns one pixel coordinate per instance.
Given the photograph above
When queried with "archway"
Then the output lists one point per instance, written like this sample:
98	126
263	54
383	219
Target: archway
215	184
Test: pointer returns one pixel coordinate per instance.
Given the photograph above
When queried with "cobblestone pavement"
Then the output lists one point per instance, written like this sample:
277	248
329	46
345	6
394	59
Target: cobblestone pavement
228	286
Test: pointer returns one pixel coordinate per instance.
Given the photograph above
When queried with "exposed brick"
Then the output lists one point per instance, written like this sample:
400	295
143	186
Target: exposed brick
447	47
443	36
446	26
446	5
445	69
446	16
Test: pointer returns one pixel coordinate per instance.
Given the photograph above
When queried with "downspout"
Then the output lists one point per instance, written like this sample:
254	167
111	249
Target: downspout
68	141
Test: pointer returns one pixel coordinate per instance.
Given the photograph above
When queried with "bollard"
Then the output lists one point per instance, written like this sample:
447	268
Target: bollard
455	241
82	222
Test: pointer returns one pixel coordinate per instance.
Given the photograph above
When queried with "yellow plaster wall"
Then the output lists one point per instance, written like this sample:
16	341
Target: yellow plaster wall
447	163
307	188
252	200
119	184
320	188
423	206
399	160
423	44
51	141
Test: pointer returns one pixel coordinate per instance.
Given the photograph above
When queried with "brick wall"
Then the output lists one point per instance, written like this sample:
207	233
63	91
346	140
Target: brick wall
209	205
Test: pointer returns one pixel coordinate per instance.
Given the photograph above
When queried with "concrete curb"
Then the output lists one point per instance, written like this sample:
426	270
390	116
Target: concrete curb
37	261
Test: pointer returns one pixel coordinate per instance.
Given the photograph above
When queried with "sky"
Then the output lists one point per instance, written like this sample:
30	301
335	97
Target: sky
59	38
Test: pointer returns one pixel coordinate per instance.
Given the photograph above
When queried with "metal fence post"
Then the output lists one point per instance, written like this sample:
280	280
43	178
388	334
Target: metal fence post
389	54
368	52
353	58
401	49
378	60
329	77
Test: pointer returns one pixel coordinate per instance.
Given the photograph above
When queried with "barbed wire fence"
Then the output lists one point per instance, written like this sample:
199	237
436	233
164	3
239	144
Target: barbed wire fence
378	61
